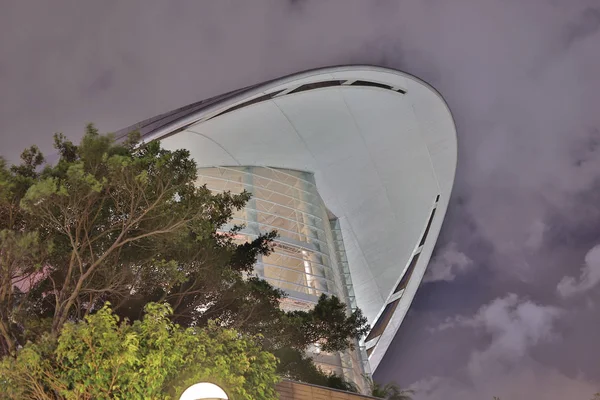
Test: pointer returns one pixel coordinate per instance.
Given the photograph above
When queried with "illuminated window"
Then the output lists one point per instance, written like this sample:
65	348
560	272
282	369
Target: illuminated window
307	259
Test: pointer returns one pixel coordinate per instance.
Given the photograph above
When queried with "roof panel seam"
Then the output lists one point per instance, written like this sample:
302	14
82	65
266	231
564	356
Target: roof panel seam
217	143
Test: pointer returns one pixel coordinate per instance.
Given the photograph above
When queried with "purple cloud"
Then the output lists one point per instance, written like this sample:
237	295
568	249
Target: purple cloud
590	276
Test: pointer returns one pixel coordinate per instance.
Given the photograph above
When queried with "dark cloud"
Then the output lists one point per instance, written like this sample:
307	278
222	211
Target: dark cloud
587	149
519	76
577	223
295	4
461	250
103	82
587	25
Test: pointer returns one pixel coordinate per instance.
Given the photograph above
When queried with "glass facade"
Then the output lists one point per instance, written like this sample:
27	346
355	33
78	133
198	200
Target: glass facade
308	259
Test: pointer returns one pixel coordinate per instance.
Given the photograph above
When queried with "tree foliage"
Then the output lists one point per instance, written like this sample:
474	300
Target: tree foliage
389	391
125	223
327	325
113	222
100	358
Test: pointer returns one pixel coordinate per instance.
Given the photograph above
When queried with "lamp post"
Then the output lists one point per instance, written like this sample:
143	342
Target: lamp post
204	391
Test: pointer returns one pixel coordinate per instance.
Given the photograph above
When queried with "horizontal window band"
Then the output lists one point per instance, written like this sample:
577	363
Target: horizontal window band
383	320
316	85
310	86
371	84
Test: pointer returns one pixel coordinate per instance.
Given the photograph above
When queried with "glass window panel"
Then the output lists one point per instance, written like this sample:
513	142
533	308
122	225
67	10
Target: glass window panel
278	222
266	172
287	275
298	264
287	201
289	286
287	262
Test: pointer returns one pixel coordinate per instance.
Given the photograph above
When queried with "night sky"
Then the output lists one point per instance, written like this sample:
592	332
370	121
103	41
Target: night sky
511	302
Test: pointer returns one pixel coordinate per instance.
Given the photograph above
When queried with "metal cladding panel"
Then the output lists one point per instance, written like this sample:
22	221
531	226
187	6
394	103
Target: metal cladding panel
257	135
212	152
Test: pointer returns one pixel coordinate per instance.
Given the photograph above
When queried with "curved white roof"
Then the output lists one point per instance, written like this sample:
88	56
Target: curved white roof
381	154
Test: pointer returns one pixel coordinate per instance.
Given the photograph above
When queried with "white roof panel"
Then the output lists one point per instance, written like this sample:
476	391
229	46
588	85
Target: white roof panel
380	159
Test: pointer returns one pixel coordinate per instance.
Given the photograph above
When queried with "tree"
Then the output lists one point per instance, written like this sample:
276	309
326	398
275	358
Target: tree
113	222
21	250
335	381
153	358
297	366
389	391
327	325
125	223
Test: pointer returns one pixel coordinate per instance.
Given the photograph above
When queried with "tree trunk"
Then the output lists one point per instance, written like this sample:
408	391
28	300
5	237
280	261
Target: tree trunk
8	340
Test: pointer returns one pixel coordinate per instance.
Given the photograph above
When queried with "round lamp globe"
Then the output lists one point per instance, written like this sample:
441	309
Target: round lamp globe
204	391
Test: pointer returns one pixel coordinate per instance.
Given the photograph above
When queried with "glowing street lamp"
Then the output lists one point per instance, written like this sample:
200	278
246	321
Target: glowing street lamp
204	391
